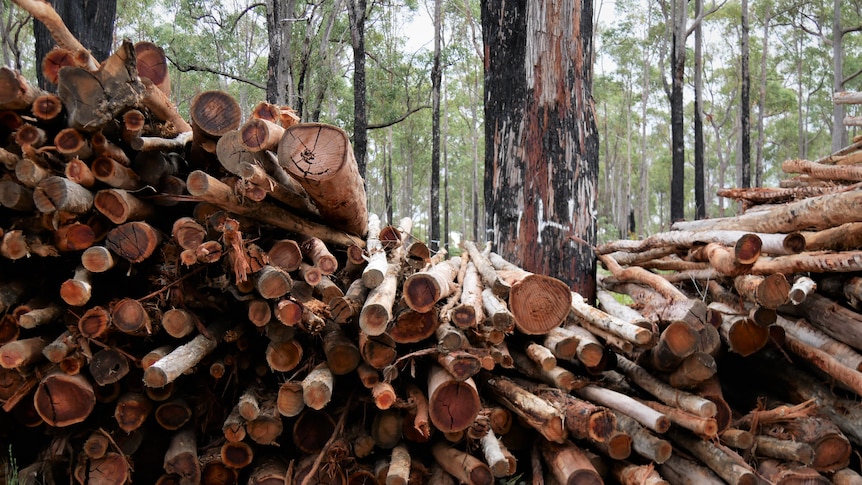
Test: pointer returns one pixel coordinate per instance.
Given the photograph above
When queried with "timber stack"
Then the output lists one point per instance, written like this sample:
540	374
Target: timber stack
209	301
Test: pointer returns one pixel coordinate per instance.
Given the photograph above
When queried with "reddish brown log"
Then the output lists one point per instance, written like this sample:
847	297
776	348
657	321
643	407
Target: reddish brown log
317	387
178	323
15	92
569	465
463	467
538	302
47	107
20	353
424	289
316	251
134	241
259	134
320	158
722	460
537	412
62	400
71	143
120	206
97	259
77	171
236	454
30	136
129	316
453	404
132	410
173	414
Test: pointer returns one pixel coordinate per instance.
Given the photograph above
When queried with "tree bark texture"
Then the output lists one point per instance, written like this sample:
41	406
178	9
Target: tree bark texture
541	159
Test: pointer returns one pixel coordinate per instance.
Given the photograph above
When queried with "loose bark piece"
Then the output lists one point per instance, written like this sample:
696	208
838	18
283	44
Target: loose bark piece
320	158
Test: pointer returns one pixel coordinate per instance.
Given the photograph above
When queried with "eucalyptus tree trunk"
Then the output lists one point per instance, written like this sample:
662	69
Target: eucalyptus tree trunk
92	23
677	127
436	80
839	133
699	182
643	206
356	14
761	102
745	106
279	80
541	138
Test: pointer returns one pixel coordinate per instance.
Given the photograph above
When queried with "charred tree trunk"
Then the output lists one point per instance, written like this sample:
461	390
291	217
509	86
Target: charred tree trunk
541	161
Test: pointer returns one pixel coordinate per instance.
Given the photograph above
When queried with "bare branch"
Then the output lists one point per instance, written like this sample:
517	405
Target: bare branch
192	67
399	119
700	17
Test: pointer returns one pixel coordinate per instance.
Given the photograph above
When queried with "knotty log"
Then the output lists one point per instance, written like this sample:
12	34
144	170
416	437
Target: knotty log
673	397
320	158
168	368
537	412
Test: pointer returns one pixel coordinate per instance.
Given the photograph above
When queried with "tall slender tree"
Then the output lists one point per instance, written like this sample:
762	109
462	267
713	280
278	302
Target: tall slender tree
699	182
356	13
745	102
541	155
436	79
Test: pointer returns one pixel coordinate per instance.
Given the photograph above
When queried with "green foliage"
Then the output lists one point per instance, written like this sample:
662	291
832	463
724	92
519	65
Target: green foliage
10	469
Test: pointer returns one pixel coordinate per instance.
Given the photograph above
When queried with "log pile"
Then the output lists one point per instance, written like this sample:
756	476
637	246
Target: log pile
209	301
770	302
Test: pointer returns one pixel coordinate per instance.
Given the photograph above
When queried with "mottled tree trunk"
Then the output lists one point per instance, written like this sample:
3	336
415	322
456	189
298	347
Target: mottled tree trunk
677	128
745	103
436	80
356	13
699	169
541	139
92	23
279	79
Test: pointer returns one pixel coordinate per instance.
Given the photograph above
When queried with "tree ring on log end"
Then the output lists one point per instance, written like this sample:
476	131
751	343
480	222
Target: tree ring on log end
62	400
539	303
